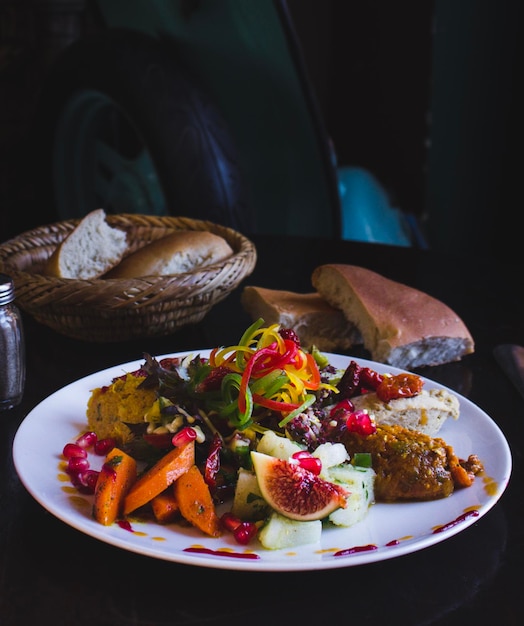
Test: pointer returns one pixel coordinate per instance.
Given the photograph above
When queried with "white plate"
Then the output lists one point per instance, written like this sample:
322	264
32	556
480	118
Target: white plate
388	531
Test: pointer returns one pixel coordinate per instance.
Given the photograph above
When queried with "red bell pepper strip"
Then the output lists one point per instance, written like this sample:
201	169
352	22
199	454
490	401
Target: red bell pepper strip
274	405
246	375
279	361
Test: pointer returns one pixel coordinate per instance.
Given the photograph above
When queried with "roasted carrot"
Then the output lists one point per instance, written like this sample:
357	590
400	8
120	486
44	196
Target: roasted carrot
158	478
116	477
165	507
196	503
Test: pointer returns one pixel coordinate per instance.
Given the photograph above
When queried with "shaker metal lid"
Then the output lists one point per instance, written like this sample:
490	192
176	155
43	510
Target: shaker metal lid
7	289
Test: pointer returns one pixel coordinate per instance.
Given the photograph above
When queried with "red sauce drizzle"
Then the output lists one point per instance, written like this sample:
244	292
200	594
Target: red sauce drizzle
236	555
355	549
393	542
459	519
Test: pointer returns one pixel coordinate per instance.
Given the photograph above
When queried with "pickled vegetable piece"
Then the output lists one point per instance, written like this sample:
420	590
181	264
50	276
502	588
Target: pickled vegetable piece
158	478
165	507
196	503
115	479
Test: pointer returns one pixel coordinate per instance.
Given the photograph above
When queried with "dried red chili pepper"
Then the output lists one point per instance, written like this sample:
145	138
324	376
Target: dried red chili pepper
213	380
369	379
212	465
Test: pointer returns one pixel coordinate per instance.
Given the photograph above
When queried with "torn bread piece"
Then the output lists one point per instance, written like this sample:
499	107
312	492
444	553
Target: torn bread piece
400	325
315	322
181	251
89	250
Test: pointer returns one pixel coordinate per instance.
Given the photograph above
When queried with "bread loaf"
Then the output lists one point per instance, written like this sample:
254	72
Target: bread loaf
315	322
182	251
400	326
89	251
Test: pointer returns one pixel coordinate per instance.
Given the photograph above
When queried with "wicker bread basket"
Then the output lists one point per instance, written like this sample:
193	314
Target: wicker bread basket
101	310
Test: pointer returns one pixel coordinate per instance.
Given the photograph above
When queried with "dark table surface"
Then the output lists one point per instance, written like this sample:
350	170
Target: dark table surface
51	573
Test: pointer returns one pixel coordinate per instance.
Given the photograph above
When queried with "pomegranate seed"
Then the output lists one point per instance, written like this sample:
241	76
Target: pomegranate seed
89	479
109	471
86	440
76	481
244	532
103	446
345	406
361	423
77	464
73	450
85	482
308	462
184	436
230	522
289	333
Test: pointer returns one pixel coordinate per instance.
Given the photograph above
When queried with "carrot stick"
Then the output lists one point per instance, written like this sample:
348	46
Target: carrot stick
158	478
165	507
116	477
196	503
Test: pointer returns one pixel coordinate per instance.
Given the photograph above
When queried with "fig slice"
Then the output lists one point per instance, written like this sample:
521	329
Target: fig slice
295	492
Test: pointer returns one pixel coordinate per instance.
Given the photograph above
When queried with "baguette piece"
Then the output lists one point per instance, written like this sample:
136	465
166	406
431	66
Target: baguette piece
180	252
400	325
89	250
315	321
425	412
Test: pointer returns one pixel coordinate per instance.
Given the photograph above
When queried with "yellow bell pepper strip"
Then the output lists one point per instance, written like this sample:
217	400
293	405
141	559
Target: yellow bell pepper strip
228	357
218	356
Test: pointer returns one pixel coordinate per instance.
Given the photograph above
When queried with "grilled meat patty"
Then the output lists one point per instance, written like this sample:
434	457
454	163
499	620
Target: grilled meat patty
410	465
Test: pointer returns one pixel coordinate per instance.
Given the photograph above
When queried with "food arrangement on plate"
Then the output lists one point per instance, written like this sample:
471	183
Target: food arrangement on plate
272	434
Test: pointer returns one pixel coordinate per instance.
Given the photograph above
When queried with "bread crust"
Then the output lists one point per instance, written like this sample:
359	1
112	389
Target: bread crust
314	320
400	325
182	251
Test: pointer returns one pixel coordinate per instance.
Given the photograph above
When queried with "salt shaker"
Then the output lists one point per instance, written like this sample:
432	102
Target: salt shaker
12	347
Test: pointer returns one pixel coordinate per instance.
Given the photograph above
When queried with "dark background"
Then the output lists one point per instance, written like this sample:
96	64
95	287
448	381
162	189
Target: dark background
425	95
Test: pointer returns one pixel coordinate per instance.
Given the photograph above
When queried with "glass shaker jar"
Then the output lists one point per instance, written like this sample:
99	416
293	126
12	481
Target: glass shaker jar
12	347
